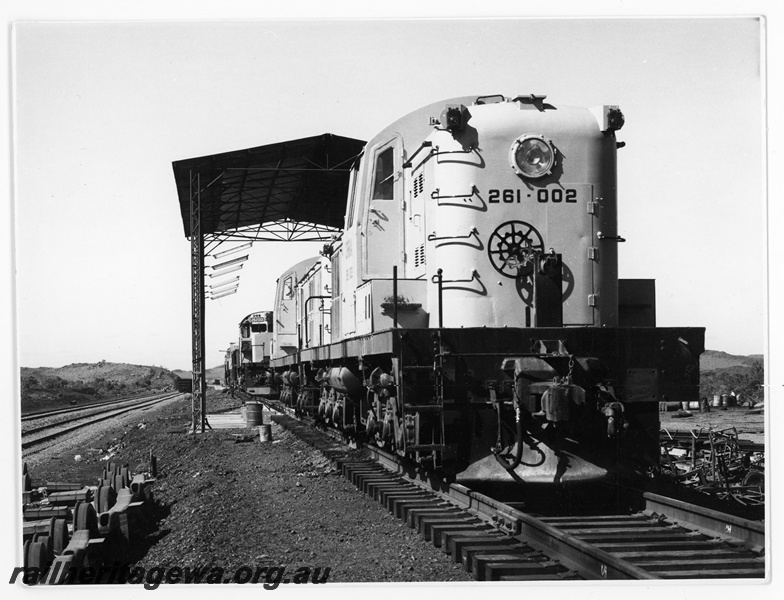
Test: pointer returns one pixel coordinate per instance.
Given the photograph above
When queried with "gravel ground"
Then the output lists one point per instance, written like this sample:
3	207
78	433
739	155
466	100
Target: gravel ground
250	504
91	443
749	425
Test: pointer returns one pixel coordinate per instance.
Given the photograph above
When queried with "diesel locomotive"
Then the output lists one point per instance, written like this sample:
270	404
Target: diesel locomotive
246	364
470	316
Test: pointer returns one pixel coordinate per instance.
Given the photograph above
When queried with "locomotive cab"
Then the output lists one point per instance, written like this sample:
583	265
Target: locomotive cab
453	197
255	340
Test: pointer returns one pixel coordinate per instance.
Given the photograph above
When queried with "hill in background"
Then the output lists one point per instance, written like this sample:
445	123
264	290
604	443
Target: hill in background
722	373
82	383
213	373
710	360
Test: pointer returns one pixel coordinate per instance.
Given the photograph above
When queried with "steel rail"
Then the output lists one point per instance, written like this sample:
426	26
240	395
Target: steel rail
43	414
744	531
104	415
572	552
108	407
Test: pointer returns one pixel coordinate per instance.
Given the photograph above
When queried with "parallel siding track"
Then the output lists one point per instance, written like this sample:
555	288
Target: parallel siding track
30	437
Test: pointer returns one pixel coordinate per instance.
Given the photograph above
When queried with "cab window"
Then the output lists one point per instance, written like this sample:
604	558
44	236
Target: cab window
383	177
352	194
288	288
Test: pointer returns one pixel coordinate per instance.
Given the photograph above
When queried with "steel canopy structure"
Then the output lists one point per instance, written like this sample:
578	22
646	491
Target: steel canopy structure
288	191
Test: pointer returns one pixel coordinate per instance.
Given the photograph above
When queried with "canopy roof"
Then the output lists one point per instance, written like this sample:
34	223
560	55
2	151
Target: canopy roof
284	191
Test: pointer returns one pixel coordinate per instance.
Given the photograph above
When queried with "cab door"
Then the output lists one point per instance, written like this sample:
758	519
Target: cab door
569	231
383	218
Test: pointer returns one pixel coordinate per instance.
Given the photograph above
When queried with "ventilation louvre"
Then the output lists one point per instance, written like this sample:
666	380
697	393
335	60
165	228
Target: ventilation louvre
419	256
419	184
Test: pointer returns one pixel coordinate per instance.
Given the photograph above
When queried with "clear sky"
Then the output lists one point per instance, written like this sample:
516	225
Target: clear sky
103	108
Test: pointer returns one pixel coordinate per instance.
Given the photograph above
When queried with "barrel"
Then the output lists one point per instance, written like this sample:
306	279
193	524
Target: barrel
685	405
724	399
694	405
253	414
716	401
265	433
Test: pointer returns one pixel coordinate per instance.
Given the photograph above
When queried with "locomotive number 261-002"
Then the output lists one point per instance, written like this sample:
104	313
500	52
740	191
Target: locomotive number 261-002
515	196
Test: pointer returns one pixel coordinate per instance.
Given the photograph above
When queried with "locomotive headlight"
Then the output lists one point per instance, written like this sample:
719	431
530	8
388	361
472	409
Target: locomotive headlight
532	156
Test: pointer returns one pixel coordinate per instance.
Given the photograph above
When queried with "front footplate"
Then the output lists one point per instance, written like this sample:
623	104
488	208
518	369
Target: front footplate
540	463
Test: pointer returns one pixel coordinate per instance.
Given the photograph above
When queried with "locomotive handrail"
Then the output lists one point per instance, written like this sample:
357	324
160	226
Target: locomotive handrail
309	298
438	278
481	99
443	283
435	195
432	237
425	144
611	238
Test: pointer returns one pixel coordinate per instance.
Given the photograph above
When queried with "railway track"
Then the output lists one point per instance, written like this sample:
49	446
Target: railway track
39	421
41	414
494	540
36	435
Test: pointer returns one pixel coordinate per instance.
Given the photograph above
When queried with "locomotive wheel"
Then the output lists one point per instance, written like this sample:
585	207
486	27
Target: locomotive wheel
387	434
107	498
85	517
337	417
371	425
37	556
25	553
59	537
99	506
46	540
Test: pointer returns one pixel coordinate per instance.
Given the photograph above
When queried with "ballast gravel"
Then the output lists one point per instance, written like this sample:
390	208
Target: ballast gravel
227	500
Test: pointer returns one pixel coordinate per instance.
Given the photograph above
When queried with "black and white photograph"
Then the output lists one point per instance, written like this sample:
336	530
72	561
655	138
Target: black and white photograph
437	299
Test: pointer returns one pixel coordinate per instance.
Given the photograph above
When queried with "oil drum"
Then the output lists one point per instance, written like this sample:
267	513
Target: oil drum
254	415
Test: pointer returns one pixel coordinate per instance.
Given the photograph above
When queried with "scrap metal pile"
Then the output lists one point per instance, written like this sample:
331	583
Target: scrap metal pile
715	462
69	527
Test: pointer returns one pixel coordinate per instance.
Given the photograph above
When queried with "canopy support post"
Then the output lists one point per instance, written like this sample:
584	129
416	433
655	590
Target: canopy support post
199	391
